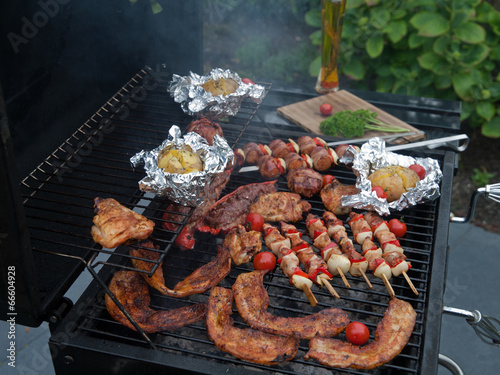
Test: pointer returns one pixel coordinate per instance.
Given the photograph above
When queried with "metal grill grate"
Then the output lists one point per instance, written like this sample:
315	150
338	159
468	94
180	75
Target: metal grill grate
95	162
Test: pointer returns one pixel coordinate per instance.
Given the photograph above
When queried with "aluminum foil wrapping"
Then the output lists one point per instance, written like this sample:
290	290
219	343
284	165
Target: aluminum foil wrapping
183	188
374	156
197	102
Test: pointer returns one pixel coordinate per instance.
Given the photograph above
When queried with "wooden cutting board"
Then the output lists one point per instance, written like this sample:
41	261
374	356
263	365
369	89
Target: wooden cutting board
306	114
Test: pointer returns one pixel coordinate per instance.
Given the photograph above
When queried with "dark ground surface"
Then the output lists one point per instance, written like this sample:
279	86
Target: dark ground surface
482	152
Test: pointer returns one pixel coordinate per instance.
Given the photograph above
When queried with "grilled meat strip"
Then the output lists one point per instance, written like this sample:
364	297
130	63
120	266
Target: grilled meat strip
115	224
242	245
246	344
391	336
132	292
280	206
331	195
252	301
186	240
207	276
201	280
232	209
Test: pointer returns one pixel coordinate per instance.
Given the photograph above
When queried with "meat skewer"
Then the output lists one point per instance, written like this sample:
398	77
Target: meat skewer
288	261
337	231
314	266
392	250
337	262
376	263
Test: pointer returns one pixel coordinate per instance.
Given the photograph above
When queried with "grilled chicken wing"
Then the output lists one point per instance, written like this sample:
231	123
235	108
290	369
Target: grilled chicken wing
280	206
242	245
252	301
391	336
132	292
201	280
115	224
331	195
246	344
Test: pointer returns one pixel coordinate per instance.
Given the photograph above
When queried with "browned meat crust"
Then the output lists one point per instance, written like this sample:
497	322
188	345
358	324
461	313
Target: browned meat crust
246	344
391	336
242	245
201	280
207	276
331	195
115	224
281	206
231	210
132	292
206	128
305	181
252	301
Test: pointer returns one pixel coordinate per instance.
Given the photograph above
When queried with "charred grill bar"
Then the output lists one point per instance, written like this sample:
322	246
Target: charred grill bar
58	198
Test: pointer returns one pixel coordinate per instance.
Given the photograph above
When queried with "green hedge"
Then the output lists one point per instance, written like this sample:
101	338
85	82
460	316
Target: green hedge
435	48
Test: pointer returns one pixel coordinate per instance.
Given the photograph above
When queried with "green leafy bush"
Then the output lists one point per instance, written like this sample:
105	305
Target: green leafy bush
446	49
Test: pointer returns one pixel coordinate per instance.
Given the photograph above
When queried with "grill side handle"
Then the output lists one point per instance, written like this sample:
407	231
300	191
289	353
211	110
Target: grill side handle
487	328
490	191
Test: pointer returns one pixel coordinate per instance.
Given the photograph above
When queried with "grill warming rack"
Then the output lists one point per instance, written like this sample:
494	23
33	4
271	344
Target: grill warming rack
58	198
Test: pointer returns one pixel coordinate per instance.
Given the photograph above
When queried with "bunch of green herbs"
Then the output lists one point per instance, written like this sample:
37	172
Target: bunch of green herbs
352	124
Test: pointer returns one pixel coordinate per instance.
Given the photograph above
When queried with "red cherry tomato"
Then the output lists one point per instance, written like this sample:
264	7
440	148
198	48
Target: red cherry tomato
254	221
326	109
380	192
397	227
357	333
327	178
419	170
247	81
264	261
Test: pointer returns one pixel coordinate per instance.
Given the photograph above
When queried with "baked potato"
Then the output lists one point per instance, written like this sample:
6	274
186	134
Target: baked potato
395	180
180	161
221	86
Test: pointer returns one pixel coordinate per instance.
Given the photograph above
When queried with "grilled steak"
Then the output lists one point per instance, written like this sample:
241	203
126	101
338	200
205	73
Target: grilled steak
232	209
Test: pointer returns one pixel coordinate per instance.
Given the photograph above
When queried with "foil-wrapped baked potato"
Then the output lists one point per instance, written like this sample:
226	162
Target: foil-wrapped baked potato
222	86
180	161
395	180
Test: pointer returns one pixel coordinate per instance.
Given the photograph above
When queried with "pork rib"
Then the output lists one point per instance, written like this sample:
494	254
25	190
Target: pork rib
391	336
246	344
132	292
252	301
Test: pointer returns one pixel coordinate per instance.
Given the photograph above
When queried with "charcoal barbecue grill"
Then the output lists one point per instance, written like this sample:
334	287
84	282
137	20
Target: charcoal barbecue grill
56	200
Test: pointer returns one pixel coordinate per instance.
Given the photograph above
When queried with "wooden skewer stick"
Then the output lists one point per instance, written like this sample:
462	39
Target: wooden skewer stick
388	286
310	296
325	280
410	283
366	279
342	275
